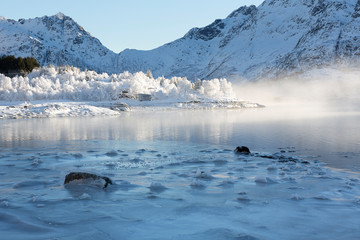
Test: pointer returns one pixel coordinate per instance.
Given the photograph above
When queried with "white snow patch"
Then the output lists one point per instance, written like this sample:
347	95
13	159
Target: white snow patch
86	93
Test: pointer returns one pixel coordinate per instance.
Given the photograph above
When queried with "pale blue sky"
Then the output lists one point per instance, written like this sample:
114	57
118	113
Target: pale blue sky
138	24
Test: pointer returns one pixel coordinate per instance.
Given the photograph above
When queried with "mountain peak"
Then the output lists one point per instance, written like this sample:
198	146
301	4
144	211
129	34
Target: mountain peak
245	10
60	15
56	40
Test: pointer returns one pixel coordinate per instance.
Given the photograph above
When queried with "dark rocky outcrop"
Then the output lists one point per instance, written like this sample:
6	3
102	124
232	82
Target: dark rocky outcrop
242	150
82	175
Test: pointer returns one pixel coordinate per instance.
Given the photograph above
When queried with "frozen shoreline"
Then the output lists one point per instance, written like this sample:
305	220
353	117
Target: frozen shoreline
49	109
67	91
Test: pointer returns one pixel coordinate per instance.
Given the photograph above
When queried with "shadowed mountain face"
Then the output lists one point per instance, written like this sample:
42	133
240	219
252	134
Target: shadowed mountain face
274	39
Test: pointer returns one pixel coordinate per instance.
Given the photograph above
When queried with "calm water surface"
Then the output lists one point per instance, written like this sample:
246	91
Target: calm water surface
176	176
330	136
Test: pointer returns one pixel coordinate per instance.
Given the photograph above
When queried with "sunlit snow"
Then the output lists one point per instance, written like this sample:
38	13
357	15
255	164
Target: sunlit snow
67	91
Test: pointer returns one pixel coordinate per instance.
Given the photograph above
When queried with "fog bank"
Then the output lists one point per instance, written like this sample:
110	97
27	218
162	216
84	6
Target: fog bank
328	87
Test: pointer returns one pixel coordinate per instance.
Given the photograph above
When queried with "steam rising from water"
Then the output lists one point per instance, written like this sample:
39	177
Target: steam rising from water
328	87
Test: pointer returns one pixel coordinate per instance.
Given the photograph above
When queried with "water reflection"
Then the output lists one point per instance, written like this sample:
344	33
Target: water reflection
329	134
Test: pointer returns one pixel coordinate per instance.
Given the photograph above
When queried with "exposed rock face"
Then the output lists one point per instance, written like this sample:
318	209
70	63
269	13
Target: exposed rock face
277	38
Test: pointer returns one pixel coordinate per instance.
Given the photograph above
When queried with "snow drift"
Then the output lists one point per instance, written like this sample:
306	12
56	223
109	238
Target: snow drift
69	83
68	91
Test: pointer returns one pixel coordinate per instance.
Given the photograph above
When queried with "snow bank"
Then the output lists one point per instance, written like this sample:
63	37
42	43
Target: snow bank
69	83
67	91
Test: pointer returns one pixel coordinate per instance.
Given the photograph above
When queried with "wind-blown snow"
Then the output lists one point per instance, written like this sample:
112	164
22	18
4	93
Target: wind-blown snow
87	88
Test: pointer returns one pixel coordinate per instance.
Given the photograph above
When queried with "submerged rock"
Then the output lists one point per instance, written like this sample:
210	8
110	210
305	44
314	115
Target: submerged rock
86	176
157	187
242	150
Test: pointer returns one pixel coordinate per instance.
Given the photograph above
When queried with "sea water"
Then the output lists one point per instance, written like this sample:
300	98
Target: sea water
176	175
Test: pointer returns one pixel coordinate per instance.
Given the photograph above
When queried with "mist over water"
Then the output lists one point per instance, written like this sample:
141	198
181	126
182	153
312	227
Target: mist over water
336	88
323	104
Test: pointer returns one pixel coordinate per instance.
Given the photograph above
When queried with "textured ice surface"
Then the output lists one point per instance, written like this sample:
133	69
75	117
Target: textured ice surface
195	192
176	176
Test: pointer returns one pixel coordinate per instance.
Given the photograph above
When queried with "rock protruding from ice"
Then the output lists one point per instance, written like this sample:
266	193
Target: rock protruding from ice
242	150
84	177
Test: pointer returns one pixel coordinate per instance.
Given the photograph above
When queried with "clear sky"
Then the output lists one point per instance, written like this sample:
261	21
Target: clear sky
137	24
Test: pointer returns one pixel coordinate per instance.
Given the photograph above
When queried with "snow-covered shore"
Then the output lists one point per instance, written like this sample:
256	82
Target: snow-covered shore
67	91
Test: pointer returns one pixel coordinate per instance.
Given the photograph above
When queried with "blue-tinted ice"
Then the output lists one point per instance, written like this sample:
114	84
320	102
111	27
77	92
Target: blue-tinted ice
164	190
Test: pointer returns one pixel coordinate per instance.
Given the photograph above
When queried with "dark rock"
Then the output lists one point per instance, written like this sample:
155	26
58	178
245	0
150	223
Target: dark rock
82	175
242	150
284	159
267	156
111	154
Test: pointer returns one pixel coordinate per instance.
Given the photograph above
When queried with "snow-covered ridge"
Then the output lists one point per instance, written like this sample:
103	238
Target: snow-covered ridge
68	91
275	39
56	40
269	41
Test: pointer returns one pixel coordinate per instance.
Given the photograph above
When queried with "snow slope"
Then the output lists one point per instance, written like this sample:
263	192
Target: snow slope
55	40
274	39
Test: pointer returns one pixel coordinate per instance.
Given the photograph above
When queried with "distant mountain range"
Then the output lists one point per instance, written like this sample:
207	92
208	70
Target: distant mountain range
277	38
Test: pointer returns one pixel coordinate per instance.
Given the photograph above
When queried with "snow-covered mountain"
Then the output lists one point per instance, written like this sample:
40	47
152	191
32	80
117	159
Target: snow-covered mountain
278	37
56	40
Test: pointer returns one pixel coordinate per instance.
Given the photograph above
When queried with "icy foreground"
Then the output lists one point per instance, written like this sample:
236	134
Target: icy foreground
67	91
163	192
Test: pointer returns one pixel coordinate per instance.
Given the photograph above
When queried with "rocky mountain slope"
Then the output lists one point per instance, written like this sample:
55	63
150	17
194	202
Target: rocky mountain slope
278	37
56	40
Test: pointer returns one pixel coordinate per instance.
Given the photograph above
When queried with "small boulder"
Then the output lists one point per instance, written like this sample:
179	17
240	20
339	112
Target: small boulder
242	150
86	176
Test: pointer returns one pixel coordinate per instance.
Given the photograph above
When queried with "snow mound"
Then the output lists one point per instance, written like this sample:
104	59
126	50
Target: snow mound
69	83
73	92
